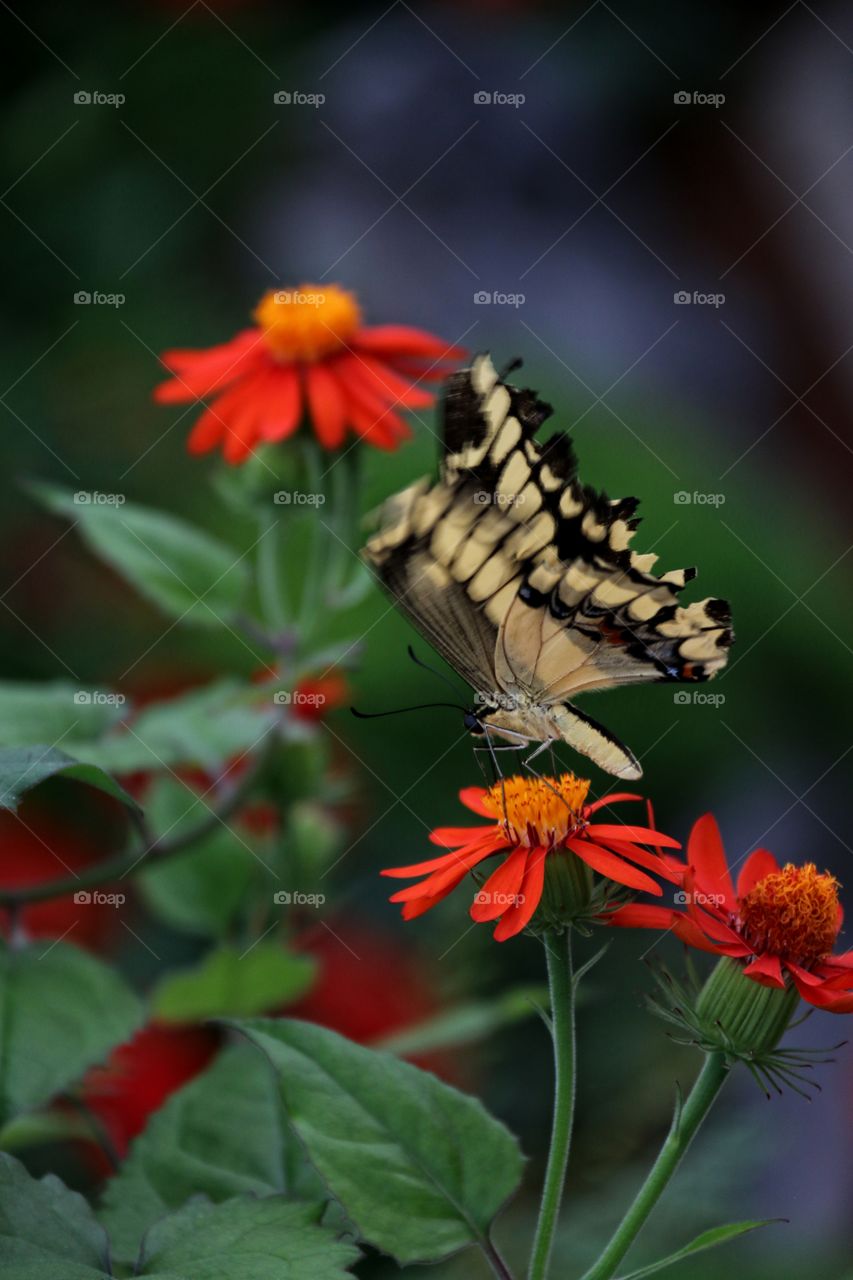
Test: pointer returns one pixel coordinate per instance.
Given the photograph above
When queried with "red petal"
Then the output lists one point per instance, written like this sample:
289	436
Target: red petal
472	798
433	864
374	378
401	340
759	864
383	432
284	408
440	883
530	895
706	855
642	835
202	372
767	970
451	837
219	421
822	997
607	864
616	798
670	870
326	406
504	884
640	916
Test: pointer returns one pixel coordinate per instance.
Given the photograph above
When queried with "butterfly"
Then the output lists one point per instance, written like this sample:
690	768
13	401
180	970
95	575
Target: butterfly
525	582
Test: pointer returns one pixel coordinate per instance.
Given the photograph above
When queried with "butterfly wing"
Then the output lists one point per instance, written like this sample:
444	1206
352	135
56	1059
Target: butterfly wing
525	581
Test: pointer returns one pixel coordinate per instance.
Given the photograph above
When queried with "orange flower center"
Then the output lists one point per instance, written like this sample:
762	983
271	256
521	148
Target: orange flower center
308	322
792	913
538	811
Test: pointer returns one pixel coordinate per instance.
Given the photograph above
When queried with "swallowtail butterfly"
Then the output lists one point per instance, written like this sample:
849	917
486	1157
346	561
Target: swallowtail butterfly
525	582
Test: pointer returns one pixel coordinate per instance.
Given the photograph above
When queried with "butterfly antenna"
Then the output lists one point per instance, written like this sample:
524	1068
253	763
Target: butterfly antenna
397	711
439	675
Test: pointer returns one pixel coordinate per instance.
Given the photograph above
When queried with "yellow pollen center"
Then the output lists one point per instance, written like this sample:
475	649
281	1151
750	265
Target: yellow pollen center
308	322
538	811
792	913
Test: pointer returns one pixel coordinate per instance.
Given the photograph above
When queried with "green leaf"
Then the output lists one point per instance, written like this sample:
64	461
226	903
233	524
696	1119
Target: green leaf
61	1010
34	1127
46	1230
230	981
419	1167
707	1240
33	712
467	1023
188	573
22	768
200	891
204	728
270	1239
221	1135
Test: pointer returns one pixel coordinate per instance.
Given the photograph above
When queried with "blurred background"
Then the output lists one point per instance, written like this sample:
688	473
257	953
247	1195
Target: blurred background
651	204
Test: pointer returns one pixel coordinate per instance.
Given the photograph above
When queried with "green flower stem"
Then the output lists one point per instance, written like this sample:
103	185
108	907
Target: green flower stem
684	1127
268	572
558	951
124	863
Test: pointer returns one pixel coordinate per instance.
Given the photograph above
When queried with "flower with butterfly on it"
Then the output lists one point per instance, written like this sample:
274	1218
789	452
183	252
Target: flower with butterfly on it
543	826
309	354
780	924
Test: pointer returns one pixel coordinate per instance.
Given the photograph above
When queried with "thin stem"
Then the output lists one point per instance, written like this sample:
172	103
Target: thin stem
122	864
495	1260
686	1122
558	950
267	569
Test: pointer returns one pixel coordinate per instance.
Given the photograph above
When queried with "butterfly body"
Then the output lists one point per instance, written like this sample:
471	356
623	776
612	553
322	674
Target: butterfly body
525	581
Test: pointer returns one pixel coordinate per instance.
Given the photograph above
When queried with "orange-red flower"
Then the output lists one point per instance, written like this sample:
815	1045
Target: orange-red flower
783	922
532	820
308	353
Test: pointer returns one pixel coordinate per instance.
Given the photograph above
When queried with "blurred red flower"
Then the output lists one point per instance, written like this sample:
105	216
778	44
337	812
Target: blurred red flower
308	350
